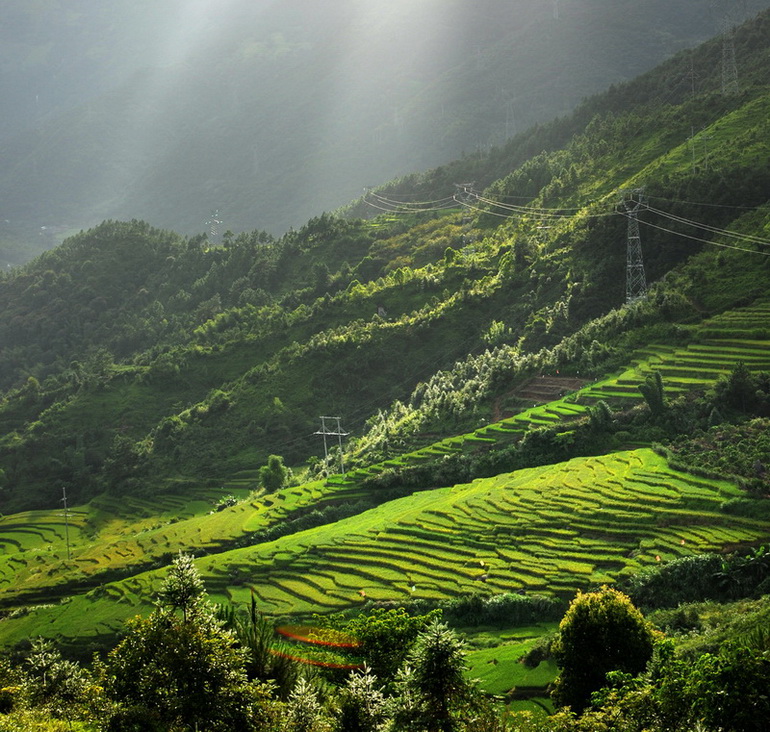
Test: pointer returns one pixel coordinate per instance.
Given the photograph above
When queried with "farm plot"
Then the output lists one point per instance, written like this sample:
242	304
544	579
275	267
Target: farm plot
499	670
551	529
741	335
113	537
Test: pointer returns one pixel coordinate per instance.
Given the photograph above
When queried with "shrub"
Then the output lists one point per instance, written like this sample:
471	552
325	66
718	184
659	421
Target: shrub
687	579
601	632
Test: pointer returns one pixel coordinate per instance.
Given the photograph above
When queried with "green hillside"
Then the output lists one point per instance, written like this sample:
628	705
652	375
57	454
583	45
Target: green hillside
549	530
519	431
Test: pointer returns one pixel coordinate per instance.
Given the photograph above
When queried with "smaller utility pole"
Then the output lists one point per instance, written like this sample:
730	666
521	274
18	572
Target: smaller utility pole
332	432
691	139
66	521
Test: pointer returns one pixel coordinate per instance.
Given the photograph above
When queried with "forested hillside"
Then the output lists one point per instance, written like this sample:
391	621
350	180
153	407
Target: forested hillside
511	432
145	353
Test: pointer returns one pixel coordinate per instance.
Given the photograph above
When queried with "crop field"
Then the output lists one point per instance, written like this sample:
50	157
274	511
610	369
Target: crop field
499	670
550	530
112	537
741	335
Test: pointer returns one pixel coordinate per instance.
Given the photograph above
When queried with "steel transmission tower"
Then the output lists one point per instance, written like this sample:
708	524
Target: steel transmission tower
214	223
729	65
636	282
327	431
464	194
732	12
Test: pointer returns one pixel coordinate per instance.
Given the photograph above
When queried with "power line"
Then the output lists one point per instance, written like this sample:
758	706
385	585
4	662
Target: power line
712	229
534	209
706	241
700	203
408	203
406	207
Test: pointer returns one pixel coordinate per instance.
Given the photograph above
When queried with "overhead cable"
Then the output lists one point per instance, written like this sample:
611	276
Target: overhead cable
704	241
713	229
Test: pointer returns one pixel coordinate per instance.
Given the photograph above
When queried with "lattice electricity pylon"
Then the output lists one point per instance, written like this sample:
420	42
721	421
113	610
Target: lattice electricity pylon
214	223
464	194
732	13
338	433
729	64
636	282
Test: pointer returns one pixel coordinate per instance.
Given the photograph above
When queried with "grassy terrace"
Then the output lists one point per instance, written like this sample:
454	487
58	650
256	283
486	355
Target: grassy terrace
110	538
718	348
499	672
550	530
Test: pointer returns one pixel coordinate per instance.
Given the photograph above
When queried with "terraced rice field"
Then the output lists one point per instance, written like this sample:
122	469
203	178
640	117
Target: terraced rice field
741	335
498	668
112	537
722	342
550	530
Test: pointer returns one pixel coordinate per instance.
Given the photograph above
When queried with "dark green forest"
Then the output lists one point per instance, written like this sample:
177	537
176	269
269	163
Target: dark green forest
528	472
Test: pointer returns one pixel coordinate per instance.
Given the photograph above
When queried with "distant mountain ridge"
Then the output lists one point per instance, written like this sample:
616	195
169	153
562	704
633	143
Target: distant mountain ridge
273	113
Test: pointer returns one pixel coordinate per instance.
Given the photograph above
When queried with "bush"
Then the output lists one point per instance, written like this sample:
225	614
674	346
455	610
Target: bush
687	579
601	632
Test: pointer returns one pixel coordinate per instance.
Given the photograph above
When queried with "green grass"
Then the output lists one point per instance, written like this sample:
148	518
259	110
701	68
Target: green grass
552	530
499	668
111	537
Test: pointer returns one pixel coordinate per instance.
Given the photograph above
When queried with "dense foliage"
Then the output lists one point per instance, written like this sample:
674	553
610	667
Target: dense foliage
601	632
151	369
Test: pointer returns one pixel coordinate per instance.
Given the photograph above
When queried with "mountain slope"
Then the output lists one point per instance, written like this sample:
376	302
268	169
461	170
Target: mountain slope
203	360
148	376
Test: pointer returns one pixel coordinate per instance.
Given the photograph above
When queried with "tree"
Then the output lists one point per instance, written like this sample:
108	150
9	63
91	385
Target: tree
653	393
432	683
183	588
601	632
386	637
184	673
274	475
362	704
600	417
304	710
54	683
738	388
256	635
